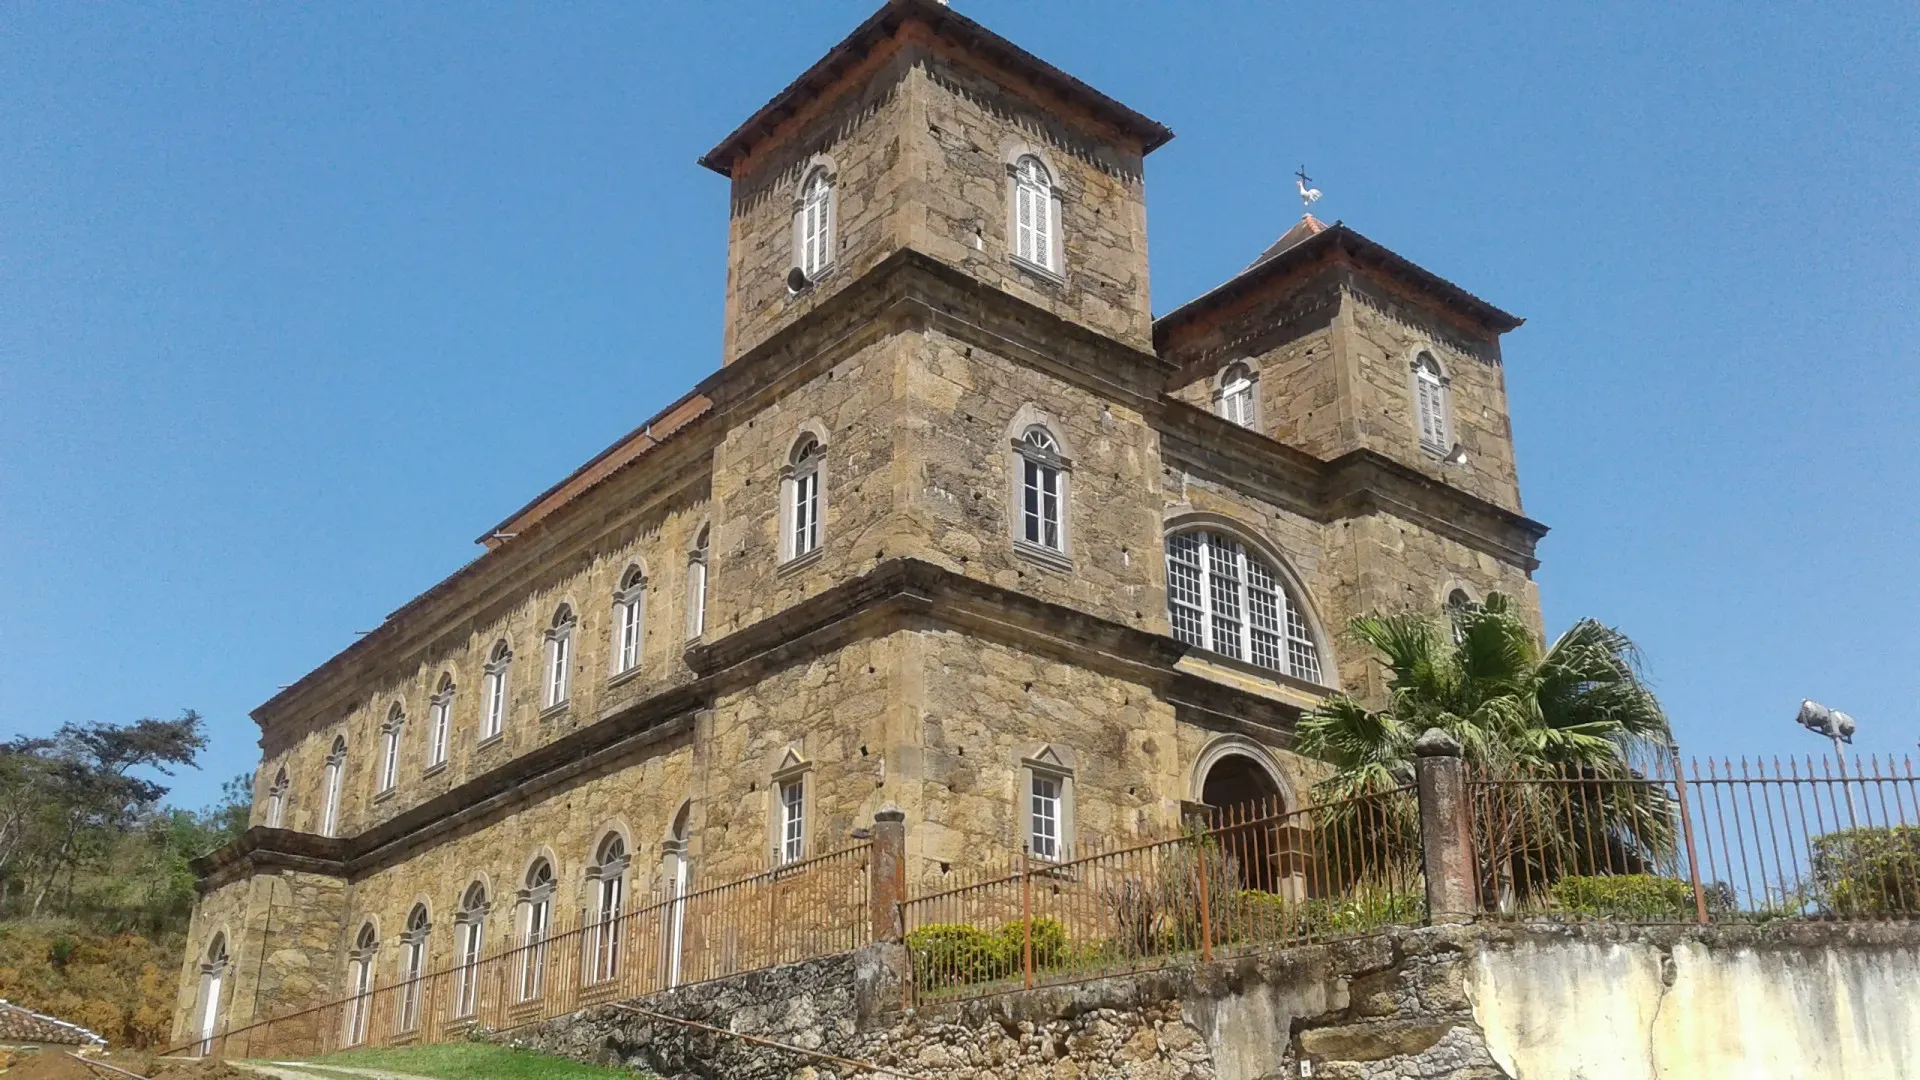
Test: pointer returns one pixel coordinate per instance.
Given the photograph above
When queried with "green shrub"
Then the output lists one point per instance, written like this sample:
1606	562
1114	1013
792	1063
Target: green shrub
1269	916
1868	871
1632	896
957	954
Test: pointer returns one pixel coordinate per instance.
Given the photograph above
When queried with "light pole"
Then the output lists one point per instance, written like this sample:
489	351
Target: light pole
1837	726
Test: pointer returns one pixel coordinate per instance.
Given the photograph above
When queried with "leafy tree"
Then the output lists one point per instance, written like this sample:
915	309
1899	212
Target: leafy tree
1577	710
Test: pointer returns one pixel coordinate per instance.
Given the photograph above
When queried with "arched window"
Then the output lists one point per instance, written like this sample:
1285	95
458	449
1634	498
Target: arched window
628	613
440	722
413	965
697	586
1431	389
536	919
813	224
330	789
277	800
493	712
1458	604
1036	237
608	876
559	657
801	505
677	871
390	748
469	935
1222	597
1044	474
360	977
1236	394
213	978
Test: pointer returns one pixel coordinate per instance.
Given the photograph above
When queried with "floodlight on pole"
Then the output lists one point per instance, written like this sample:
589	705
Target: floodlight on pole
1837	726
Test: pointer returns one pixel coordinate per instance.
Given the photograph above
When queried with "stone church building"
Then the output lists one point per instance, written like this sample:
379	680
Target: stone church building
956	524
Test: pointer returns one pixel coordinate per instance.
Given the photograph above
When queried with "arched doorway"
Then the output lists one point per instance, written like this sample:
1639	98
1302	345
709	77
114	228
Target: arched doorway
1247	810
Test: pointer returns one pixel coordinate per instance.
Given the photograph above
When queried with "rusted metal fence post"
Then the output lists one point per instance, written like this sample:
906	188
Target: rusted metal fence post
887	874
1206	912
1686	833
1026	914
1445	840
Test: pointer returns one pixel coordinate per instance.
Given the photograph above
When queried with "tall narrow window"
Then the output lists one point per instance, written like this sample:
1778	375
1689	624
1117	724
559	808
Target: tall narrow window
793	819
609	894
468	938
1043	491
1045	839
802	505
390	748
213	979
536	904
559	657
493	714
1035	239
277	800
1430	390
1222	597
330	789
413	965
360	978
440	722
697	585
628	611
813	232
1236	395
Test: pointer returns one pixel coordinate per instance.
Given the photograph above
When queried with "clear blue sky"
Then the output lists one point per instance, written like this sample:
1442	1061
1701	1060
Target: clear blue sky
296	300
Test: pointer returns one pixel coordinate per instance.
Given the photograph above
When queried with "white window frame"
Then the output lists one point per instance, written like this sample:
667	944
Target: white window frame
413	968
1034	214
1223	596
608	878
1432	403
1047	766
1042	473
629	620
1237	400
469	938
277	800
558	679
803	499
815	213
697	584
495	689
536	927
793	818
330	788
440	722
390	748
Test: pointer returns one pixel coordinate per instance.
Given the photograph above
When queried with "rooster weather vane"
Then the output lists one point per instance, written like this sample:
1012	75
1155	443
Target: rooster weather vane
1308	195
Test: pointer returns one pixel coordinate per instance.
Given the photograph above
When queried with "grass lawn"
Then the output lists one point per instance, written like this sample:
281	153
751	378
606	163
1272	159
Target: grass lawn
461	1060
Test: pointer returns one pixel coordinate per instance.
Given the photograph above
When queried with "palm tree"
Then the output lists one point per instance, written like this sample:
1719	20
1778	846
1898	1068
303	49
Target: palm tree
1554	736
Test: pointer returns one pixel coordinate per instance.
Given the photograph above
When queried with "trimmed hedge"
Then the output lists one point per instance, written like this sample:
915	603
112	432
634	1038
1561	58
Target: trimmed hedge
1868	871
958	954
1642	896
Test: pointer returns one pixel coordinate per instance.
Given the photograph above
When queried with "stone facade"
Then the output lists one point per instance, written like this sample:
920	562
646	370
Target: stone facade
922	654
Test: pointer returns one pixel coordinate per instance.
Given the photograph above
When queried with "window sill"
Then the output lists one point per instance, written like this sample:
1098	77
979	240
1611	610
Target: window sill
555	711
491	741
825	274
801	562
1047	275
622	678
1045	556
386	796
1250	668
435	769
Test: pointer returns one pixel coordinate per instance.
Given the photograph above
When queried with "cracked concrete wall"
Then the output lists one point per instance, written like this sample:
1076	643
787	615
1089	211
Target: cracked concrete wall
1648	1012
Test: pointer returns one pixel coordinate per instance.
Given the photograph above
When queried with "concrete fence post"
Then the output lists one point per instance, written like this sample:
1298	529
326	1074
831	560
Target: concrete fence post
1445	841
887	874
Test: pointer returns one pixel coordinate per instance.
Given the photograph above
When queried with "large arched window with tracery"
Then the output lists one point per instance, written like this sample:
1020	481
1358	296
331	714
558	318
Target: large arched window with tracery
1225	597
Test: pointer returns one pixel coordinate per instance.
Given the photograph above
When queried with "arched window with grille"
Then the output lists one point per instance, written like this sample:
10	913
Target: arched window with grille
213	980
629	613
277	800
802	500
608	878
1042	473
1236	400
559	682
413	968
536	924
390	748
330	787
1224	597
366	945
1036	224
493	713
813	223
469	937
440	722
1431	392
